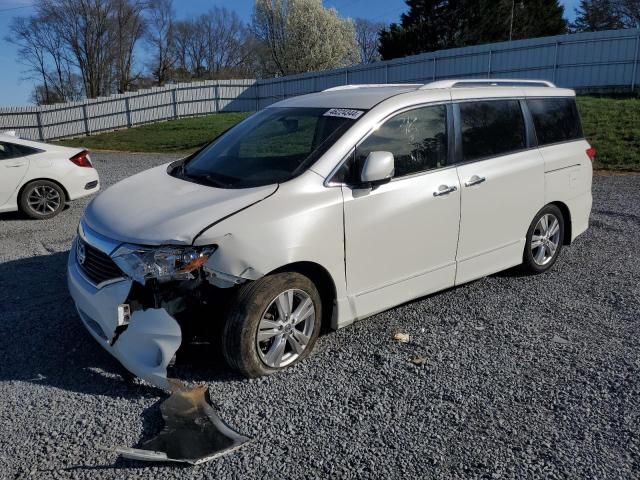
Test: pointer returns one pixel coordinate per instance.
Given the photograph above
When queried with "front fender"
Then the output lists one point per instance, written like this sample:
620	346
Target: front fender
301	222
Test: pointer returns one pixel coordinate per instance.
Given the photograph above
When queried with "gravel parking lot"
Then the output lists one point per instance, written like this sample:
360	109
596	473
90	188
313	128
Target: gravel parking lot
524	376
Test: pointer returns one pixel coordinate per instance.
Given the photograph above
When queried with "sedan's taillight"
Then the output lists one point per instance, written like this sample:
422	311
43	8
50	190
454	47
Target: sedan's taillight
82	159
591	153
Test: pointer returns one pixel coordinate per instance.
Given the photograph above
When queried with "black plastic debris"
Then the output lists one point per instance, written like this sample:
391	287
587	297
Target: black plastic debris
193	433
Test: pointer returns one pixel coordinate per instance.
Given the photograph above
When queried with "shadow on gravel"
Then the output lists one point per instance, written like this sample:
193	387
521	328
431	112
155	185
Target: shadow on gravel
13	216
43	341
7	216
513	272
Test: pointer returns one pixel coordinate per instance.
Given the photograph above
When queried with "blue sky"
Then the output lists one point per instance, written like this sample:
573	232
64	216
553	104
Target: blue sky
15	89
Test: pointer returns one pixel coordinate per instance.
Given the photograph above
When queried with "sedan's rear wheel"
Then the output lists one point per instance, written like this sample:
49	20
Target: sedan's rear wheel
544	240
42	199
273	324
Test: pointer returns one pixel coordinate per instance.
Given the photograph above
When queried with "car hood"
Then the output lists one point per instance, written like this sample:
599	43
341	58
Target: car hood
154	208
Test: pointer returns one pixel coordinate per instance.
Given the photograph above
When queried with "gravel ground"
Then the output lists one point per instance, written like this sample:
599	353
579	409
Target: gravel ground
524	376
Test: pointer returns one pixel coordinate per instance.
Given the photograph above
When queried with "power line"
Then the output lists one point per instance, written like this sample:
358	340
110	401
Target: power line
17	8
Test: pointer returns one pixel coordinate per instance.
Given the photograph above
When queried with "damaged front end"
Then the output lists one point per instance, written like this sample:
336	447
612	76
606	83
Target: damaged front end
141	303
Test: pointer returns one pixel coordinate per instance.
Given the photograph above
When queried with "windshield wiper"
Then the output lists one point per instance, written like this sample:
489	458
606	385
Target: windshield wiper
211	179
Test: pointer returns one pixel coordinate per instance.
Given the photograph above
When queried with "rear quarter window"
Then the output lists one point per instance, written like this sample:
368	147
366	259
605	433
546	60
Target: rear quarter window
13	150
555	119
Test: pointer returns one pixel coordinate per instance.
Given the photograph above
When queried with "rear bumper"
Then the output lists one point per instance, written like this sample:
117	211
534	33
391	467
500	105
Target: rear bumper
76	182
149	342
580	208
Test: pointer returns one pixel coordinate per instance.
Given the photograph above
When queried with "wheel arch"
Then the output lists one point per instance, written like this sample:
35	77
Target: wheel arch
323	281
31	180
566	214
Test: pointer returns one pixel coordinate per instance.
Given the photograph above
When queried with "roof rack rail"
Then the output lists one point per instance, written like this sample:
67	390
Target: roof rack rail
372	85
488	82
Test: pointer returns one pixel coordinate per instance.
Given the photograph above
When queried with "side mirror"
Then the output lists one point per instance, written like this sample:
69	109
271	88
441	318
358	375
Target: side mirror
378	168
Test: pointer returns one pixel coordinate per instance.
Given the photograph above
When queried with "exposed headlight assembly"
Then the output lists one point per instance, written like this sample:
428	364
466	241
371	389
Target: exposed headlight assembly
163	263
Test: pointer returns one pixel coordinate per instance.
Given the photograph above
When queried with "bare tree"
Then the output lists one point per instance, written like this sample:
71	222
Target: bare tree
160	36
215	44
64	84
182	34
91	39
42	51
226	38
368	38
25	34
128	28
84	26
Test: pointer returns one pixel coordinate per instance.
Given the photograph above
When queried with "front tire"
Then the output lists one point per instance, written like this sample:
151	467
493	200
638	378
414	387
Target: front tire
42	199
544	240
273	323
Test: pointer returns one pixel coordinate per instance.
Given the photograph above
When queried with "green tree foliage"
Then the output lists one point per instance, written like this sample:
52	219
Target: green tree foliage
432	25
594	15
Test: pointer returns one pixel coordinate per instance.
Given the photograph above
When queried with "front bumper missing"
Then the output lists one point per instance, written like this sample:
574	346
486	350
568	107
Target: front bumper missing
151	338
193	432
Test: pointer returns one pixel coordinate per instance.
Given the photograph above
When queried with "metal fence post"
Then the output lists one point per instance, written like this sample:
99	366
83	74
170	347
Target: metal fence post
216	96
174	96
435	64
128	110
257	90
555	62
346	76
386	73
40	130
489	68
635	62
87	130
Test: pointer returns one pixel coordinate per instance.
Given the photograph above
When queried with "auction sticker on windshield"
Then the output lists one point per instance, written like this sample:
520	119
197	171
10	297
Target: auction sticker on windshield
344	113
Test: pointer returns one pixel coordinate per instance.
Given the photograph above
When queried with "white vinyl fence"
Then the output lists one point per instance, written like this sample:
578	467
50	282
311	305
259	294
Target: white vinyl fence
605	60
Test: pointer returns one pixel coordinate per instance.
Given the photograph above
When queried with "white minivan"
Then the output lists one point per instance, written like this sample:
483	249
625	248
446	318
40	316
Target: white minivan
327	208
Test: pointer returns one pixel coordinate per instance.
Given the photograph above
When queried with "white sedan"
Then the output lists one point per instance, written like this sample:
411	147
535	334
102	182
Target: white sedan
39	179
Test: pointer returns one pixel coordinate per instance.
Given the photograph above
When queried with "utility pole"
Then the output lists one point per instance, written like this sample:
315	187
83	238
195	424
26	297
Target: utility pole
513	6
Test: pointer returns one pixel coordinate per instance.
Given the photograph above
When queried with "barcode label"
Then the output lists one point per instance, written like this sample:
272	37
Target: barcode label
344	113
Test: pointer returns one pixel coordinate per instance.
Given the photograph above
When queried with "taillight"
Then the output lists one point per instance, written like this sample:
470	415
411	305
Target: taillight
82	159
591	153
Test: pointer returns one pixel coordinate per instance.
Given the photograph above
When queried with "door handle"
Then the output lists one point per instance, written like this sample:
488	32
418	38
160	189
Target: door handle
16	165
474	180
444	190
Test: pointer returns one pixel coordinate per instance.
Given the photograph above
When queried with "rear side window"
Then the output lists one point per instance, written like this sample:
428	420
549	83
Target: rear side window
555	119
491	128
12	150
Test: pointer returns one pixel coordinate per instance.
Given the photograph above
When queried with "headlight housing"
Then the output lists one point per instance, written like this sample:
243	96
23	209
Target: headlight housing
164	263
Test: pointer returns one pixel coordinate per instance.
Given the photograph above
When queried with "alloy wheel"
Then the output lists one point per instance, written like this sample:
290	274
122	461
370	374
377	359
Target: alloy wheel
545	239
44	199
285	328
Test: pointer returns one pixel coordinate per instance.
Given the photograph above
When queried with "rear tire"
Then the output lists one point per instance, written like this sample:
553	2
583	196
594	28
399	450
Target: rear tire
42	199
544	240
272	324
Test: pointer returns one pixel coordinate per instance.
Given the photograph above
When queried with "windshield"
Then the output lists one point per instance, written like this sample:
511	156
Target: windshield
272	146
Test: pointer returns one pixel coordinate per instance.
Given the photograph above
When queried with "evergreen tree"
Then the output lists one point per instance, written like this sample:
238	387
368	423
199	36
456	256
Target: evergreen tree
594	15
630	13
431	25
421	29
